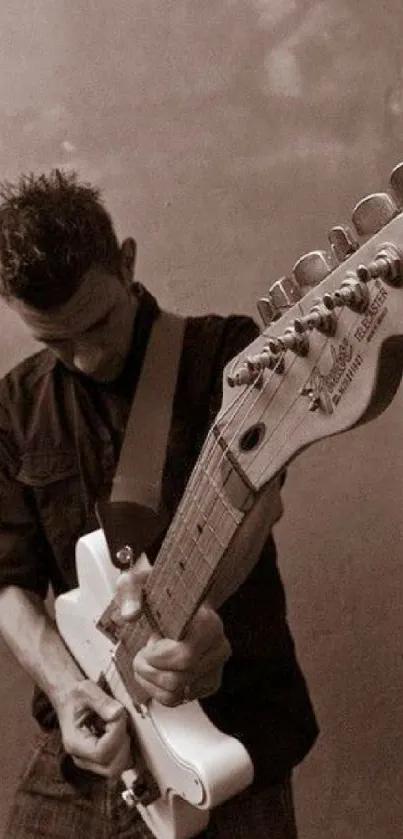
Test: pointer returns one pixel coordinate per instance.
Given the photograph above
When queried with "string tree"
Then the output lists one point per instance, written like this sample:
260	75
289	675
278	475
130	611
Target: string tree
396	183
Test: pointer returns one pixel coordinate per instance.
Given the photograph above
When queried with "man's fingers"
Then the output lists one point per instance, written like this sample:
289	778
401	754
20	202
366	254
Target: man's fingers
188	678
109	763
198	648
163	691
107	754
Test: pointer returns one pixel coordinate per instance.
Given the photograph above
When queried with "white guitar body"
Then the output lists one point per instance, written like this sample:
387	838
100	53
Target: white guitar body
195	765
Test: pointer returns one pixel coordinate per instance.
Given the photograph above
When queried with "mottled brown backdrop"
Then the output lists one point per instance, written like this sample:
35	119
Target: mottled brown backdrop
228	138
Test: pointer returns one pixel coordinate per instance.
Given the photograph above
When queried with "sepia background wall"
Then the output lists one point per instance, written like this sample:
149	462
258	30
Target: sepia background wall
228	137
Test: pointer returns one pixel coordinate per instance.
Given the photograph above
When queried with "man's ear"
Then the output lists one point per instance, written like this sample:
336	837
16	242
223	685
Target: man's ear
128	253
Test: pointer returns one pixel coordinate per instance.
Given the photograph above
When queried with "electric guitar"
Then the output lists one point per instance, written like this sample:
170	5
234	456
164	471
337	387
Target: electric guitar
330	357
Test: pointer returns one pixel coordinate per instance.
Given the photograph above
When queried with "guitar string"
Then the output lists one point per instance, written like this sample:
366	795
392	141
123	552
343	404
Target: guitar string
299	422
213	444
111	673
246	394
114	675
194	503
206	471
206	475
196	475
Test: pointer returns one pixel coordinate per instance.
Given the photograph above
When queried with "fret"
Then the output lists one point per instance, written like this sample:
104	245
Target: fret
220	495
198	538
204	543
208	504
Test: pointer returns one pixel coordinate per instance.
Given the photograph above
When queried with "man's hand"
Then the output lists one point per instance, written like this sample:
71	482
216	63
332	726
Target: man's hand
175	671
94	730
93	725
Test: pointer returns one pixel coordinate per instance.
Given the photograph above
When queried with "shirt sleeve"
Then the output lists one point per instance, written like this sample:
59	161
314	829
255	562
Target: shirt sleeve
23	548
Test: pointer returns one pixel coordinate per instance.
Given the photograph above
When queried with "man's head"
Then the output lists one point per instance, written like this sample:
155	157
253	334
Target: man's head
63	271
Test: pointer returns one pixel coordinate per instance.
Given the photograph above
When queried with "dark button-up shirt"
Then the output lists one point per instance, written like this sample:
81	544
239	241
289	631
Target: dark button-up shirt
60	438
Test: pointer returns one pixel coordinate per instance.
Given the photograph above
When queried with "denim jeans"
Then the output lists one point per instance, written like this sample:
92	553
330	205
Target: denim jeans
46	806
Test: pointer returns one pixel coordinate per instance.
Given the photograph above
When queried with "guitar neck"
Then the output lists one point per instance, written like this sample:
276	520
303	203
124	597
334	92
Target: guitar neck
213	507
202	530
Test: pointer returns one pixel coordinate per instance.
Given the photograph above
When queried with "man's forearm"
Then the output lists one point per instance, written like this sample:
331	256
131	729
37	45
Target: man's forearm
32	636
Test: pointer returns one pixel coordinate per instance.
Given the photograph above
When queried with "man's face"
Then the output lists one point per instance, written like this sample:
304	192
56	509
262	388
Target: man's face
92	332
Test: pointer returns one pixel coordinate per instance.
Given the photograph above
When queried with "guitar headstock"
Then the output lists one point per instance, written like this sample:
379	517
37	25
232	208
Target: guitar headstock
331	353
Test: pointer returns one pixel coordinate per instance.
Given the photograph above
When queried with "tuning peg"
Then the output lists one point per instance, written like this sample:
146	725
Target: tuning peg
282	295
294	339
319	317
250	371
396	182
388	265
267	310
352	293
343	242
311	268
373	212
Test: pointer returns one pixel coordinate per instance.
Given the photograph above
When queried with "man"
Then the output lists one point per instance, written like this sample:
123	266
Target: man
63	414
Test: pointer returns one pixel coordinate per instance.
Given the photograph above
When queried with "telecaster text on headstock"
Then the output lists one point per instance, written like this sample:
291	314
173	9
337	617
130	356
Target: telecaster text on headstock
369	322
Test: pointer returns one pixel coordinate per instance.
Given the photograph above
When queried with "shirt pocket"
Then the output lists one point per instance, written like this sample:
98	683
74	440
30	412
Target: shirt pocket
61	501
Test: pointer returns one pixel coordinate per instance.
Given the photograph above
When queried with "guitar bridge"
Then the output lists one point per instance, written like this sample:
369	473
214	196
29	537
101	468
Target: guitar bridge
110	623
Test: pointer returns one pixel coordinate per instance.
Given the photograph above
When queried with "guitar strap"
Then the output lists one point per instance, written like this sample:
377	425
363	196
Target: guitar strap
134	514
139	472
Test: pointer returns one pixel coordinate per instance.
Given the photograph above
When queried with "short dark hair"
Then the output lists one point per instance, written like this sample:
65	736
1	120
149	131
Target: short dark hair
52	230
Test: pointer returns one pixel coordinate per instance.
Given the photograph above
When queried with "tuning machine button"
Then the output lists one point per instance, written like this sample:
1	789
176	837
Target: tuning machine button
343	242
374	212
311	268
396	182
282	295
267	310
